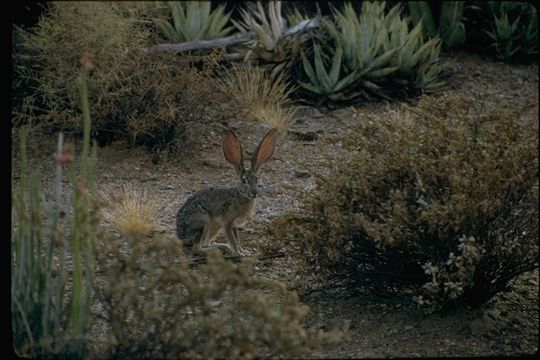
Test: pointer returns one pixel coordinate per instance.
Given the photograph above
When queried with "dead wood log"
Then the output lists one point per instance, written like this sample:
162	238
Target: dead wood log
229	40
205	44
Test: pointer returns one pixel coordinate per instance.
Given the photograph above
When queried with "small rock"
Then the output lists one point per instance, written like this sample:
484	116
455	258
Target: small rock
149	177
533	282
304	135
268	189
493	314
301	173
481	325
408	327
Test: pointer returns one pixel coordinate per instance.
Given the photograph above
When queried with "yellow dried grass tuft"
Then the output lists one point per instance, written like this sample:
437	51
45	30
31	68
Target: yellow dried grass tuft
259	95
131	210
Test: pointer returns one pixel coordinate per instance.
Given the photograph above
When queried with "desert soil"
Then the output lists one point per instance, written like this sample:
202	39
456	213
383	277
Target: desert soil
374	326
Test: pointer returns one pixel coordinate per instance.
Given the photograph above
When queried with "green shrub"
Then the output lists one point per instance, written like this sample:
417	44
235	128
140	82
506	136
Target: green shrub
193	20
504	30
45	245
451	28
373	52
512	36
275	44
441	199
160	308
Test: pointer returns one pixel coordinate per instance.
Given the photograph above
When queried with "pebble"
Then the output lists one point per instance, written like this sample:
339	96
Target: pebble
481	325
301	173
310	136
408	327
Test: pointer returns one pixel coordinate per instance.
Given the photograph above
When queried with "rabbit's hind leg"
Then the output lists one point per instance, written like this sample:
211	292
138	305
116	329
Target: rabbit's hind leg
202	247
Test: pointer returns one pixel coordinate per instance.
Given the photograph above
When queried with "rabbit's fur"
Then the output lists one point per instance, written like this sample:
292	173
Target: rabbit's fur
206	212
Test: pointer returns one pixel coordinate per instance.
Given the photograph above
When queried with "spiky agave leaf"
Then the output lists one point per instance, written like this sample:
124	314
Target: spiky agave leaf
274	42
194	20
326	82
376	47
296	17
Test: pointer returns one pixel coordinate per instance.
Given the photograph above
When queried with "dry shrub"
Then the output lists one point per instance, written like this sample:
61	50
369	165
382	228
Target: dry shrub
151	98
159	308
131	210
441	198
258	95
56	44
172	99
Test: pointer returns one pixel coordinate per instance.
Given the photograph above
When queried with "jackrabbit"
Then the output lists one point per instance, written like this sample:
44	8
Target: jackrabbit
207	211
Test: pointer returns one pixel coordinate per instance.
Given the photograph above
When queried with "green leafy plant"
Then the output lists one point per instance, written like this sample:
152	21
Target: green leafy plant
451	28
440	200
503	29
275	42
194	20
322	81
295	17
43	324
519	35
373	49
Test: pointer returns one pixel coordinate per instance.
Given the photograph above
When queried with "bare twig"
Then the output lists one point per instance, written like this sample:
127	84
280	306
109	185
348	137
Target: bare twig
203	260
229	40
205	44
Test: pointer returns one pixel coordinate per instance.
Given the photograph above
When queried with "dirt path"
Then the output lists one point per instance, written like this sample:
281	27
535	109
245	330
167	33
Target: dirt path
375	327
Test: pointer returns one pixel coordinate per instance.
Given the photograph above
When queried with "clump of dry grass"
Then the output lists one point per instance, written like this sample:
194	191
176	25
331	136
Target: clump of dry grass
259	95
131	210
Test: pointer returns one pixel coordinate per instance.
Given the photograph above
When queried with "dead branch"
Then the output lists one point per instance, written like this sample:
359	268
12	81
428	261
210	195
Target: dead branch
205	44
203	260
229	40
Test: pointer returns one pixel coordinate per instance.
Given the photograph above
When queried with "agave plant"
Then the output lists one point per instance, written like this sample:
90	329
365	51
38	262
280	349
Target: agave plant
326	82
194	20
412	53
378	48
295	17
451	27
504	35
275	42
514	29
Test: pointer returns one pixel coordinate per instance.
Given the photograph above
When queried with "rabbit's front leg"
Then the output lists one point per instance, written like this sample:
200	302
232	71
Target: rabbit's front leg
237	236
236	250
232	239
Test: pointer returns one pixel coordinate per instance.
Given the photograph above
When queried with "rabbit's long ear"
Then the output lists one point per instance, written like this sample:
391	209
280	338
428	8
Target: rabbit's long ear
264	151
232	150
